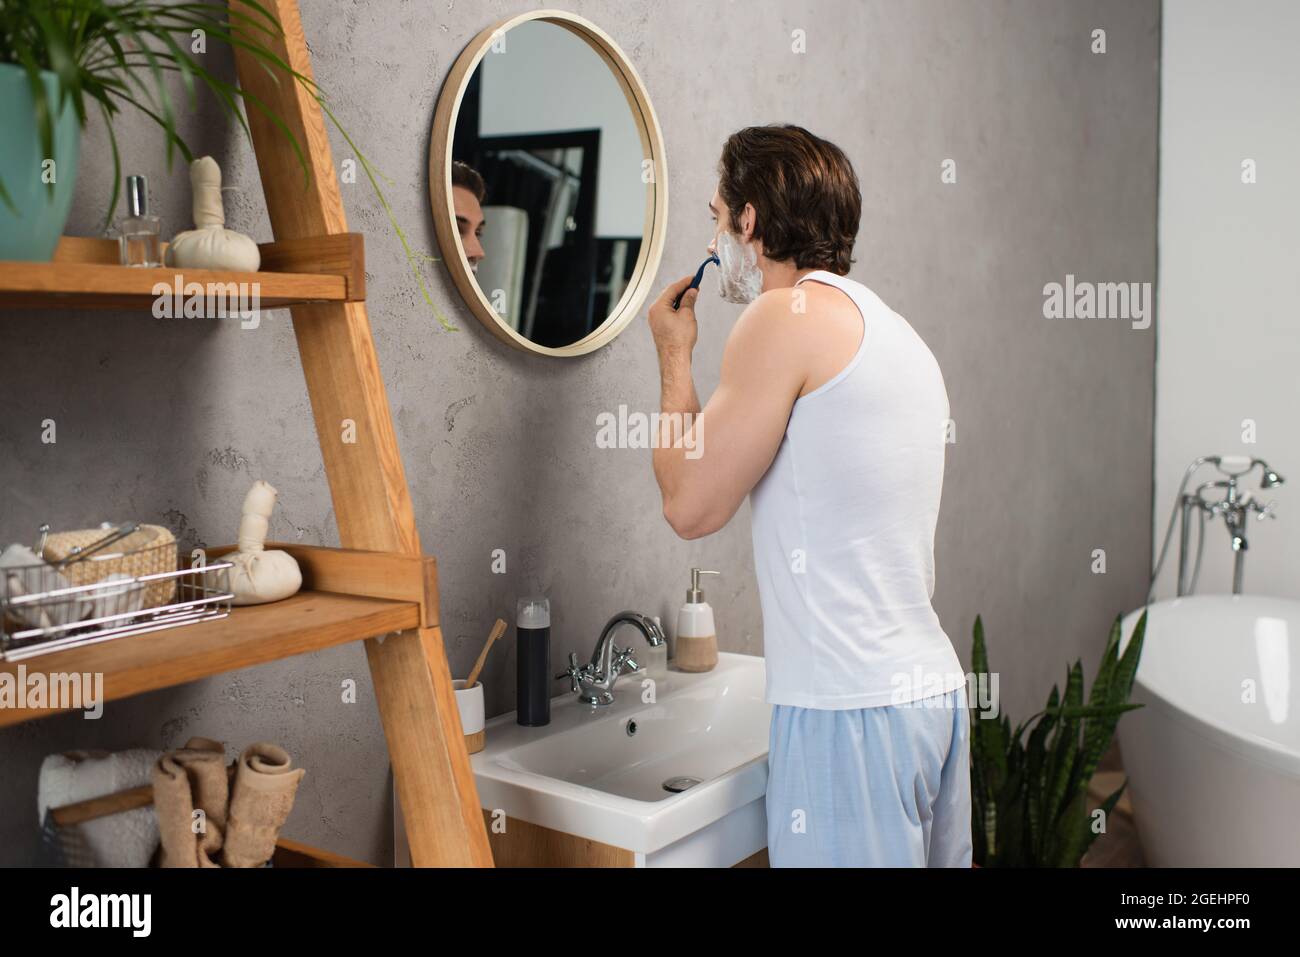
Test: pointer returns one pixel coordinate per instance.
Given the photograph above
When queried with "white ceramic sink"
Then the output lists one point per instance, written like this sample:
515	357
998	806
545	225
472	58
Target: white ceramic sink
584	774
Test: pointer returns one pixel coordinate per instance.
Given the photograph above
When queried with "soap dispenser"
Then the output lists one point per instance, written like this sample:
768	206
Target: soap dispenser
697	639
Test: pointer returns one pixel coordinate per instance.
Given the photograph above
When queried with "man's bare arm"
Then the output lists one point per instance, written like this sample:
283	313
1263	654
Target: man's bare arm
705	473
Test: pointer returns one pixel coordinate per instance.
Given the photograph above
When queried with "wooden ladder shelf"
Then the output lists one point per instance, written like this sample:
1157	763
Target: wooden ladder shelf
378	587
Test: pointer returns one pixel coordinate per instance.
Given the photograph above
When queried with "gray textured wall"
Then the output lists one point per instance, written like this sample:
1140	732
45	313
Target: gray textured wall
1056	158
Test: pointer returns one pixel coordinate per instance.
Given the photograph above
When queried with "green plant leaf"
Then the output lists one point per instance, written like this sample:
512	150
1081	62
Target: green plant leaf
117	156
1101	690
1126	672
1060	785
1036	759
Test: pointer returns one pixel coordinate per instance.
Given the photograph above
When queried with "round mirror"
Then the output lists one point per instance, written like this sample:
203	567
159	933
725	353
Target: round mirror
548	185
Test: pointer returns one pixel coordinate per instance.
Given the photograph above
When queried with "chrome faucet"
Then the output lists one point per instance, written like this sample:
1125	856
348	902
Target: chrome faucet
594	681
1235	506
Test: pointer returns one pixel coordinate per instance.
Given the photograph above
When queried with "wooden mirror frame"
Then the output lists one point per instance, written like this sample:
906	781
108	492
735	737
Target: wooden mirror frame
656	200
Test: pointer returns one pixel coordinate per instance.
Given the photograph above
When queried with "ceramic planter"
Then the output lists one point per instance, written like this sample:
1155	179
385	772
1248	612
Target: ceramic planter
31	229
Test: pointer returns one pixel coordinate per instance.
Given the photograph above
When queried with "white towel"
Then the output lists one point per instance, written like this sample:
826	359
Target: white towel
127	839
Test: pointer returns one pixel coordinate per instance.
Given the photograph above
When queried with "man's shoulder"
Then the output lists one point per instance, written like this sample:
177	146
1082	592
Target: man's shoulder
791	306
769	321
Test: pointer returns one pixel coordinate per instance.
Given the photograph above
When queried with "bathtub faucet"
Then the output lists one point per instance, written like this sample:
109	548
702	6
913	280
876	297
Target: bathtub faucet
1224	497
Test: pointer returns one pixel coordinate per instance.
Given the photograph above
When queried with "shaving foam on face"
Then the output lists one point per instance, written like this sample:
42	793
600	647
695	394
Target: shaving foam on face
739	278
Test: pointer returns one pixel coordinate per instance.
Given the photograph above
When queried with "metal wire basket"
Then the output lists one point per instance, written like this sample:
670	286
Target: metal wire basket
41	613
90	555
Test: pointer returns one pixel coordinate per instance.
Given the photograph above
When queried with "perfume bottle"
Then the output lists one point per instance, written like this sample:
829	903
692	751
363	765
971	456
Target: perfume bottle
139	237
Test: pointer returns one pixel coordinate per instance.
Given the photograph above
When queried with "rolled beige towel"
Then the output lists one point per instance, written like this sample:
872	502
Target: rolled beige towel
189	779
264	788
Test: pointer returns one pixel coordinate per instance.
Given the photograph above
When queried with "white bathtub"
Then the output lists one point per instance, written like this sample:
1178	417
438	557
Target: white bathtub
1214	758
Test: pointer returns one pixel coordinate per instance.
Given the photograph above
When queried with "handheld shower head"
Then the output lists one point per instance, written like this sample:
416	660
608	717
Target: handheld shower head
1236	466
1267	478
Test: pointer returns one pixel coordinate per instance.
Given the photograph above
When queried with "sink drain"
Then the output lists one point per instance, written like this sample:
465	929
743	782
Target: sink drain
677	785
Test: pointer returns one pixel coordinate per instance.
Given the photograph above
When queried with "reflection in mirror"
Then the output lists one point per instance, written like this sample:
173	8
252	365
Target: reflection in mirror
547	183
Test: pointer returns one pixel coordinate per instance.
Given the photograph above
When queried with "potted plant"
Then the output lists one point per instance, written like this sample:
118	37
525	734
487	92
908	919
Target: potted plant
1029	793
62	60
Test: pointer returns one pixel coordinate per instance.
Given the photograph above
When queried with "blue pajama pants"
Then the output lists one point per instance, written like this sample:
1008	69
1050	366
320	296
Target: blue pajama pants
870	787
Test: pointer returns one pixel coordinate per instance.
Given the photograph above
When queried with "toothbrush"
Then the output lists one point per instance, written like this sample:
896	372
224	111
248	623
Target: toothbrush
695	283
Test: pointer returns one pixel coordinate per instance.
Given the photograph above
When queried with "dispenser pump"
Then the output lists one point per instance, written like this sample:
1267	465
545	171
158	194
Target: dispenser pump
694	594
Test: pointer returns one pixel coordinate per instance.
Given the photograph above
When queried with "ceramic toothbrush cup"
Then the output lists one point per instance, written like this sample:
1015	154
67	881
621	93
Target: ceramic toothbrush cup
470	702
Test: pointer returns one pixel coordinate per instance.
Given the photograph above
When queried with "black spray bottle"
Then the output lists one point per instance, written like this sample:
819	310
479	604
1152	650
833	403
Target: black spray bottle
533	662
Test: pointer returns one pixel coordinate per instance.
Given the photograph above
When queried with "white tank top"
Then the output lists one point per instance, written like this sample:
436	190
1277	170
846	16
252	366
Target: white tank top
843	527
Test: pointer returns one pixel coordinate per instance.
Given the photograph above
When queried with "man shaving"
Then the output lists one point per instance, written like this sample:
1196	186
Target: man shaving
830	415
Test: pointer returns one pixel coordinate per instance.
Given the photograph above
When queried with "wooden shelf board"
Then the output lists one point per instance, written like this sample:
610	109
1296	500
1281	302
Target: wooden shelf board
290	853
84	274
253	635
92	286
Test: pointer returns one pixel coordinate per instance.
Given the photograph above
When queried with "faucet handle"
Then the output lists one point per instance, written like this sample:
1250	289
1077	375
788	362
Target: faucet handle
624	660
1268	511
571	673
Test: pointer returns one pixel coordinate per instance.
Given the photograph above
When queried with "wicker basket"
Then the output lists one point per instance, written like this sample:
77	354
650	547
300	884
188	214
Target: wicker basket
146	551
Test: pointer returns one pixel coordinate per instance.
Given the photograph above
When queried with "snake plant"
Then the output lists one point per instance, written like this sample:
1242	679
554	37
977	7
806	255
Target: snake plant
108	55
1029	795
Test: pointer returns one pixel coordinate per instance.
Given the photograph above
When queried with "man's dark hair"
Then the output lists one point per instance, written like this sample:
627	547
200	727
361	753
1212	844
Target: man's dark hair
467	177
803	190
